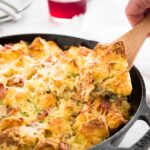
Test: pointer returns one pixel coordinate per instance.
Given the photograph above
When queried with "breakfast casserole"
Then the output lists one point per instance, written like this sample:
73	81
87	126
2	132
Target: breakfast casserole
54	99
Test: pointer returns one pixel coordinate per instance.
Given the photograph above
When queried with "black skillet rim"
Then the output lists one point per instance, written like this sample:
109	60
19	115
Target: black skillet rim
88	43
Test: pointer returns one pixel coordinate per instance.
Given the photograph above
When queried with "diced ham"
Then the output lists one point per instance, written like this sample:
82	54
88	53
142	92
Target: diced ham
63	146
5	47
42	115
2	90
16	81
8	46
84	51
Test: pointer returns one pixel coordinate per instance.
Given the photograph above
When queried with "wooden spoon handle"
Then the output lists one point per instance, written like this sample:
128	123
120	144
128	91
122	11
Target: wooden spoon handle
134	39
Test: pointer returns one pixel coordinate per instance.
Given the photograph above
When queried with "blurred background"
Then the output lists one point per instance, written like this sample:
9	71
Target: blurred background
101	20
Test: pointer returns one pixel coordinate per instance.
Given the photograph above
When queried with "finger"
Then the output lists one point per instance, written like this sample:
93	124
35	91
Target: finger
135	19
135	10
147	12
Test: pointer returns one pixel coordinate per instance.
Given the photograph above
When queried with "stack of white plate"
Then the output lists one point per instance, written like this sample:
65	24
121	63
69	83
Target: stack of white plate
10	9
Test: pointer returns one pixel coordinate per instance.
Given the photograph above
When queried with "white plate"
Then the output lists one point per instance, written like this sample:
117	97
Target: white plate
20	5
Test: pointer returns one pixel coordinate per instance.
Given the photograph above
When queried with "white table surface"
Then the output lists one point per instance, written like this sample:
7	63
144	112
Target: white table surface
104	21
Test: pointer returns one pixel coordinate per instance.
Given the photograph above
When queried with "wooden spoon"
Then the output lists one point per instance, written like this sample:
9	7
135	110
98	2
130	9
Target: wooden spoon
134	39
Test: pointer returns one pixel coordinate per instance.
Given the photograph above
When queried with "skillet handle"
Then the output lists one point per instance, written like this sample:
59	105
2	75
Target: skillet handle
144	142
141	144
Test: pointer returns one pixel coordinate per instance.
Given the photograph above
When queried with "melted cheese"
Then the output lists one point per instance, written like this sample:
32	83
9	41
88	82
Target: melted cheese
55	99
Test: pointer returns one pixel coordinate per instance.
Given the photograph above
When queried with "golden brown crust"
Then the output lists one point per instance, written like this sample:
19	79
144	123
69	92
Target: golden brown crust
51	144
10	136
116	48
10	122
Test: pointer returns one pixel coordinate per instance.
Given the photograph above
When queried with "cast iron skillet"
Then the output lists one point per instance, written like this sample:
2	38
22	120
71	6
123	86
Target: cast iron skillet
140	109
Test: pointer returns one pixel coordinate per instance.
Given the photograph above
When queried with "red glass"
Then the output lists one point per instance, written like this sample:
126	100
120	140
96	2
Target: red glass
66	8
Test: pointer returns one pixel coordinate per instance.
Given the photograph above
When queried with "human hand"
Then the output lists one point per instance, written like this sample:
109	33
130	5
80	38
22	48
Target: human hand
136	10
